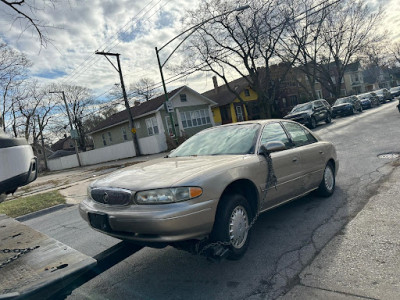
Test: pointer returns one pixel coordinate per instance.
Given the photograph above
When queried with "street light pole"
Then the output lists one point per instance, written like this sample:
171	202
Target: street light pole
70	124
130	116
160	66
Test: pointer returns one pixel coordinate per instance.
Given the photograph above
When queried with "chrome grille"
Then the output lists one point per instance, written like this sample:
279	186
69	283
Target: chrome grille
111	196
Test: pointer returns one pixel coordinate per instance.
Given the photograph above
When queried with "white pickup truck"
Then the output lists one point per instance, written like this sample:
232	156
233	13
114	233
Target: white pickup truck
18	165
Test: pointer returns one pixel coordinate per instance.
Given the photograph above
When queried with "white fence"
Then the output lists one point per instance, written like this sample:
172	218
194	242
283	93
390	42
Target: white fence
148	145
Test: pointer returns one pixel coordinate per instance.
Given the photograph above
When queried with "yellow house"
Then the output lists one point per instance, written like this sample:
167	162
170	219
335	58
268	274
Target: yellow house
230	109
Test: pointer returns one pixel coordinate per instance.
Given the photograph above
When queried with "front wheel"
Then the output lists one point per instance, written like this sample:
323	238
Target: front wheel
231	225
328	118
313	123
327	185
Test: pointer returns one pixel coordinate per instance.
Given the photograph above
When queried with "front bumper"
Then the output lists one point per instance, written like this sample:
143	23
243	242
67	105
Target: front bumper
148	224
342	112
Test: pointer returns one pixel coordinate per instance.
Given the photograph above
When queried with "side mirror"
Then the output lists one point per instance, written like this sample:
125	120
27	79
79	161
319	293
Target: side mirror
272	147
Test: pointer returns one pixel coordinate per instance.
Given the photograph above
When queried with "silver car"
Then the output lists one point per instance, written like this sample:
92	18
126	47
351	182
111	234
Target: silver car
205	194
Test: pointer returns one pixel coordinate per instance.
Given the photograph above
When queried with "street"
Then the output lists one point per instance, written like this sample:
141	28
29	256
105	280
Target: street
284	240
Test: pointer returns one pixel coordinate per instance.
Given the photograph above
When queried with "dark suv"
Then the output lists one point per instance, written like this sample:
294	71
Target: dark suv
310	113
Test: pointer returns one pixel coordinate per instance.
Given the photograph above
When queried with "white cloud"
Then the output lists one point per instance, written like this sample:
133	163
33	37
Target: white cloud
87	26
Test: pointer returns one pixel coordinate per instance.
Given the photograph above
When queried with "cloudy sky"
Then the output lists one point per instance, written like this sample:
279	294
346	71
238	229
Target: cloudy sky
131	28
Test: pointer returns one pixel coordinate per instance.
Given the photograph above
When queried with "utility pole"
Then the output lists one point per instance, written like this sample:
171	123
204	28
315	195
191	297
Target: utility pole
70	124
43	148
128	109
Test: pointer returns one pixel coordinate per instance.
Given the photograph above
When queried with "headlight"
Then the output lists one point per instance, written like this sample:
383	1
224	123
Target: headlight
171	195
89	192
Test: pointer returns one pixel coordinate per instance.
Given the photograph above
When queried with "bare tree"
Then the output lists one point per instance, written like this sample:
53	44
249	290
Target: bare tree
305	37
245	44
348	29
25	13
94	119
143	89
13	72
395	51
79	99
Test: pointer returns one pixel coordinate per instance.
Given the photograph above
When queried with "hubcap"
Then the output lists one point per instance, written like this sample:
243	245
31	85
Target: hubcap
329	178
238	225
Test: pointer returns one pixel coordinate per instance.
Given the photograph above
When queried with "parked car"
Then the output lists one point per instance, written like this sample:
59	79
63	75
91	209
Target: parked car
311	113
18	165
395	91
212	186
346	106
368	100
384	95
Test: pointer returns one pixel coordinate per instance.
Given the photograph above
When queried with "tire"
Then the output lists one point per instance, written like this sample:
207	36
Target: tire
361	109
313	123
234	214
328	118
328	182
353	111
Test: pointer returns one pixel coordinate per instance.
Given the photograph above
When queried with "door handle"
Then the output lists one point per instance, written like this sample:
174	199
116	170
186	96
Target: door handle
321	152
294	159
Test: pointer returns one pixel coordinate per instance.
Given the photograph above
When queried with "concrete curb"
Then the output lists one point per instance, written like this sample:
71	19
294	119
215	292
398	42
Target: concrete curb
42	212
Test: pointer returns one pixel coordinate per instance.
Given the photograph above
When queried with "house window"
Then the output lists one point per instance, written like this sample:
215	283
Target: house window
319	94
183	97
124	135
195	118
104	139
137	125
239	113
109	136
39	151
169	126
293	100
247	92
355	77
152	126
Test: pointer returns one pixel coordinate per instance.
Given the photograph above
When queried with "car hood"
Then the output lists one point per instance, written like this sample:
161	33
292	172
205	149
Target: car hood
167	172
296	114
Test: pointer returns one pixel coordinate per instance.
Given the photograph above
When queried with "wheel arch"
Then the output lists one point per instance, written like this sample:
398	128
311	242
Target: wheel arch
247	189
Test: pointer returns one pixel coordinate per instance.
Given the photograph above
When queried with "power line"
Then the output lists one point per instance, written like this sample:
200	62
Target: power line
91	59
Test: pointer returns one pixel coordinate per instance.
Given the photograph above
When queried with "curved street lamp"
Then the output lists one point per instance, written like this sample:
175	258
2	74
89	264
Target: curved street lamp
189	32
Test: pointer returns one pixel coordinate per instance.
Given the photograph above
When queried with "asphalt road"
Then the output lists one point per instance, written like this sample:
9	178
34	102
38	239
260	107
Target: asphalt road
284	241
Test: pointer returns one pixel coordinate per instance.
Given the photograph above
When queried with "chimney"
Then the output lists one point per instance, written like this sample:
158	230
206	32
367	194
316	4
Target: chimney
214	78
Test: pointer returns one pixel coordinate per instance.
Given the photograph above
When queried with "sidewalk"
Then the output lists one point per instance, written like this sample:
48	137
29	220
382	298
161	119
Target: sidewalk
363	261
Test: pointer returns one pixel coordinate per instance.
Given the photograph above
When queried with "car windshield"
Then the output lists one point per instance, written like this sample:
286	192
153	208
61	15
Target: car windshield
364	96
342	100
302	107
222	140
395	89
380	92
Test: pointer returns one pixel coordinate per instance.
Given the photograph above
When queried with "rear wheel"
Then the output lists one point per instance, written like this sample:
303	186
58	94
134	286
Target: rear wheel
231	225
327	185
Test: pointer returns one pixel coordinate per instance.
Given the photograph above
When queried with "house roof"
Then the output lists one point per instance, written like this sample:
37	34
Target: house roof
137	111
223	95
59	144
353	67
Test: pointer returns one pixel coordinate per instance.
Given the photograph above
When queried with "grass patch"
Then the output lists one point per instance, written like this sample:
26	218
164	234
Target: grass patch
26	205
